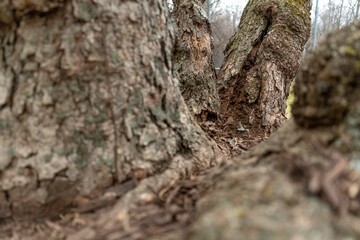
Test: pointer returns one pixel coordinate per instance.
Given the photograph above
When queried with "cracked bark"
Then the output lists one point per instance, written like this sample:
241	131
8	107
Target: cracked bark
261	60
92	103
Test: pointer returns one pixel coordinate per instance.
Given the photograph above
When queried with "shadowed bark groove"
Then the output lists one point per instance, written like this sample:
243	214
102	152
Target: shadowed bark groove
193	59
88	99
266	192
260	63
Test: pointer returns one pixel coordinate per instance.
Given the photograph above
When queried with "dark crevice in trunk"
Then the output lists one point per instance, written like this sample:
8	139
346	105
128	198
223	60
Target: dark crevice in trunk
251	57
14	82
248	64
7	199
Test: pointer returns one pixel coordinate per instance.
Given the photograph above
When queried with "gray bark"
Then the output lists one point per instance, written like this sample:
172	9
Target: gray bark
88	99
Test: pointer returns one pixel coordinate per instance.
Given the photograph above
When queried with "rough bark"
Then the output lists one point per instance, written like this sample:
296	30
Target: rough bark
265	193
193	59
88	99
261	60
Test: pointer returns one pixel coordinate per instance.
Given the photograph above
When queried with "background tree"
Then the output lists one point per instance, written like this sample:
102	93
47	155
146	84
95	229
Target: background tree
224	24
260	63
333	16
211	6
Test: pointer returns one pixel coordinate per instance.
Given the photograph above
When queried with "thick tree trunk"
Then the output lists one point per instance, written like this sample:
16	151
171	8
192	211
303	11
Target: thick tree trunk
193	59
265	193
88	99
261	60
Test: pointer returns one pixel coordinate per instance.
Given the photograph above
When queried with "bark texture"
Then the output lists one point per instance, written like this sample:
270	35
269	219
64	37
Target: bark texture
317	153
88	99
193	59
261	60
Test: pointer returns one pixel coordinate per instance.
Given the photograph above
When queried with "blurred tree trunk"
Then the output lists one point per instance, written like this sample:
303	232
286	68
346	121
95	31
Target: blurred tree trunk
88	99
261	60
193	59
264	194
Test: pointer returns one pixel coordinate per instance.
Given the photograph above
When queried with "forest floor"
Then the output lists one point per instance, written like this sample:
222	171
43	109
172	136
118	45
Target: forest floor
170	214
174	210
167	216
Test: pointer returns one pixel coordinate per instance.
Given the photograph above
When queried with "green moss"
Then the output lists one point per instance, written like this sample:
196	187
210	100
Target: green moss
350	51
357	64
297	7
290	100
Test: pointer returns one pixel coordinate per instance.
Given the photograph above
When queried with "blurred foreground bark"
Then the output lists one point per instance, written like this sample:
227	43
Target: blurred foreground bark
303	183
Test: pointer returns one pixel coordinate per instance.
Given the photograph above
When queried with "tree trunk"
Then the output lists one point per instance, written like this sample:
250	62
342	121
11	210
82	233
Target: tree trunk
261	60
193	59
88	99
265	192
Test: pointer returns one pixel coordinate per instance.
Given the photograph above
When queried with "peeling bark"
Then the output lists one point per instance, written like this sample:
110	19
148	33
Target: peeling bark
88	99
193	59
261	60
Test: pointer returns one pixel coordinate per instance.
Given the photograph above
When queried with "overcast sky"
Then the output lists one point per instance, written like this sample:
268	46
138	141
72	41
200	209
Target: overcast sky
243	2
229	3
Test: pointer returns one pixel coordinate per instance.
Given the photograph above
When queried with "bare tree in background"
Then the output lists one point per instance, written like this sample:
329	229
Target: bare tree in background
224	24
334	16
210	7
